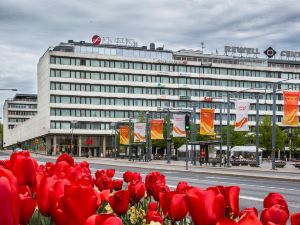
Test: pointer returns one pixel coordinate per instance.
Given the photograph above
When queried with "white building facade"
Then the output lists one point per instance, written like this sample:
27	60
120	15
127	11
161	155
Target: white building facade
83	88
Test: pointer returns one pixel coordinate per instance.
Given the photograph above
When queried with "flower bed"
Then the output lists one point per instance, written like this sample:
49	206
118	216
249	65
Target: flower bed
66	193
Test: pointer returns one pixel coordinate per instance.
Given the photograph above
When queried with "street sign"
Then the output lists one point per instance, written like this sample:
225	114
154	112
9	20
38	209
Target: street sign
36	141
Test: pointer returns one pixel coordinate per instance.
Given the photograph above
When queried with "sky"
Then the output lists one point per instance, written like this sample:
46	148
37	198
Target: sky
29	27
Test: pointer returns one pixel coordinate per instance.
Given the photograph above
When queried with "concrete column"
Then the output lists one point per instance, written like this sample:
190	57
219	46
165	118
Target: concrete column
79	145
54	145
104	146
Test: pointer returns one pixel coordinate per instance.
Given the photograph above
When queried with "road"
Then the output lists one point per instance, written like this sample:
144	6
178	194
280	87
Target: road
253	190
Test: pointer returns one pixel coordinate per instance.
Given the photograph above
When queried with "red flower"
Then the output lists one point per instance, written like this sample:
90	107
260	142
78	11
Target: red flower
119	202
152	181
275	214
44	186
210	206
165	201
158	189
249	219
276	198
24	168
152	206
295	219
128	176
103	219
154	216
67	158
117	185
182	187
136	190
178	209
76	205
110	172
247	211
55	193
27	205
10	202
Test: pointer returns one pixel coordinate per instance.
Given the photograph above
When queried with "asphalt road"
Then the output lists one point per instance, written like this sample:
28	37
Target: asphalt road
253	190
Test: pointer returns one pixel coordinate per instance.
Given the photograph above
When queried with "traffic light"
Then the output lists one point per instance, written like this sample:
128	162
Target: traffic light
187	122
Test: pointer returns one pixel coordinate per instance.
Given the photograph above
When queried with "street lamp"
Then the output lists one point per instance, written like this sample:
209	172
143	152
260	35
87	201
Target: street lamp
73	122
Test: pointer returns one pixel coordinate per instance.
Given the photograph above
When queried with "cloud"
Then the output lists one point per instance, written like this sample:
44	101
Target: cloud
29	27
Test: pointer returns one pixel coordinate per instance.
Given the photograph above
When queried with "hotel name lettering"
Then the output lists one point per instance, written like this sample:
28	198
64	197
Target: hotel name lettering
241	50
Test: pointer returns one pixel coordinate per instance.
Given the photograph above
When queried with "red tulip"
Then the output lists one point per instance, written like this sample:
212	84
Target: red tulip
44	186
117	185
152	206
154	216
80	174
158	189
103	219
137	177
10	201
24	168
110	172
295	219
249	219
136	190
275	214
182	187
27	205
55	193
247	211
178	209
119	202
165	198
276	198
104	195
153	180
76	205
206	207
128	176
67	158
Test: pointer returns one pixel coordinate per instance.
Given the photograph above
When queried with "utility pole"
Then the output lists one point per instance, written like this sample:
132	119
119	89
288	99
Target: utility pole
274	126
168	137
228	131
194	134
221	133
257	130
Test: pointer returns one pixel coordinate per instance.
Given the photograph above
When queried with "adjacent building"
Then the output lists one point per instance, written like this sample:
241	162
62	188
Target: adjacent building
17	110
84	88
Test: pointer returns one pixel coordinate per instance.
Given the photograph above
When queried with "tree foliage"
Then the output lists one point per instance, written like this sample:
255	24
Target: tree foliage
265	138
236	137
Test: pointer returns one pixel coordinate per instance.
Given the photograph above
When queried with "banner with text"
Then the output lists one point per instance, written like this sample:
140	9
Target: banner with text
179	125
207	121
156	127
241	111
290	108
140	132
124	135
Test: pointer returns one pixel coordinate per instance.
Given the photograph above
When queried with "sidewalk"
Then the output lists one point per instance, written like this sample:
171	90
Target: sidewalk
288	173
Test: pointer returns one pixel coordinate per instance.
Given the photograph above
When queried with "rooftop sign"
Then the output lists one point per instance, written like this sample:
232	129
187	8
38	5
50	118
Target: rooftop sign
241	50
96	39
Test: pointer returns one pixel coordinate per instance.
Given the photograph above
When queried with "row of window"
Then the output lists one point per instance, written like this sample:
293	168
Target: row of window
158	79
17	120
127	114
102	126
144	90
21	113
163	67
146	103
21	106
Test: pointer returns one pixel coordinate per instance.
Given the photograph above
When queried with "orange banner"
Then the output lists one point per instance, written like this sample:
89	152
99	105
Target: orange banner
207	121
124	135
156	127
290	108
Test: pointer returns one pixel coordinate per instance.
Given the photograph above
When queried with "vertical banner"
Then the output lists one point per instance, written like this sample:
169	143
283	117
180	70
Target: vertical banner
156	127
179	125
290	108
207	121
241	111
140	132
124	135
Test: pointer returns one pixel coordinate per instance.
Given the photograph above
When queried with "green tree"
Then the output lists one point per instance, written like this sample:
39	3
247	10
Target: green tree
265	138
294	140
236	137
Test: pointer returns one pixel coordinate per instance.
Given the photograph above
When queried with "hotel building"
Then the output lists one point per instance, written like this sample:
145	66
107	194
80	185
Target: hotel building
83	88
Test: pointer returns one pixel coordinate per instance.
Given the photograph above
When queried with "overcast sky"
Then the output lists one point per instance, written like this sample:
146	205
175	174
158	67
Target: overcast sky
29	27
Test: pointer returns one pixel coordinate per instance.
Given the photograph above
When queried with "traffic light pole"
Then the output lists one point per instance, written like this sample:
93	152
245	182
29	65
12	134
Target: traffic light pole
168	137
194	134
